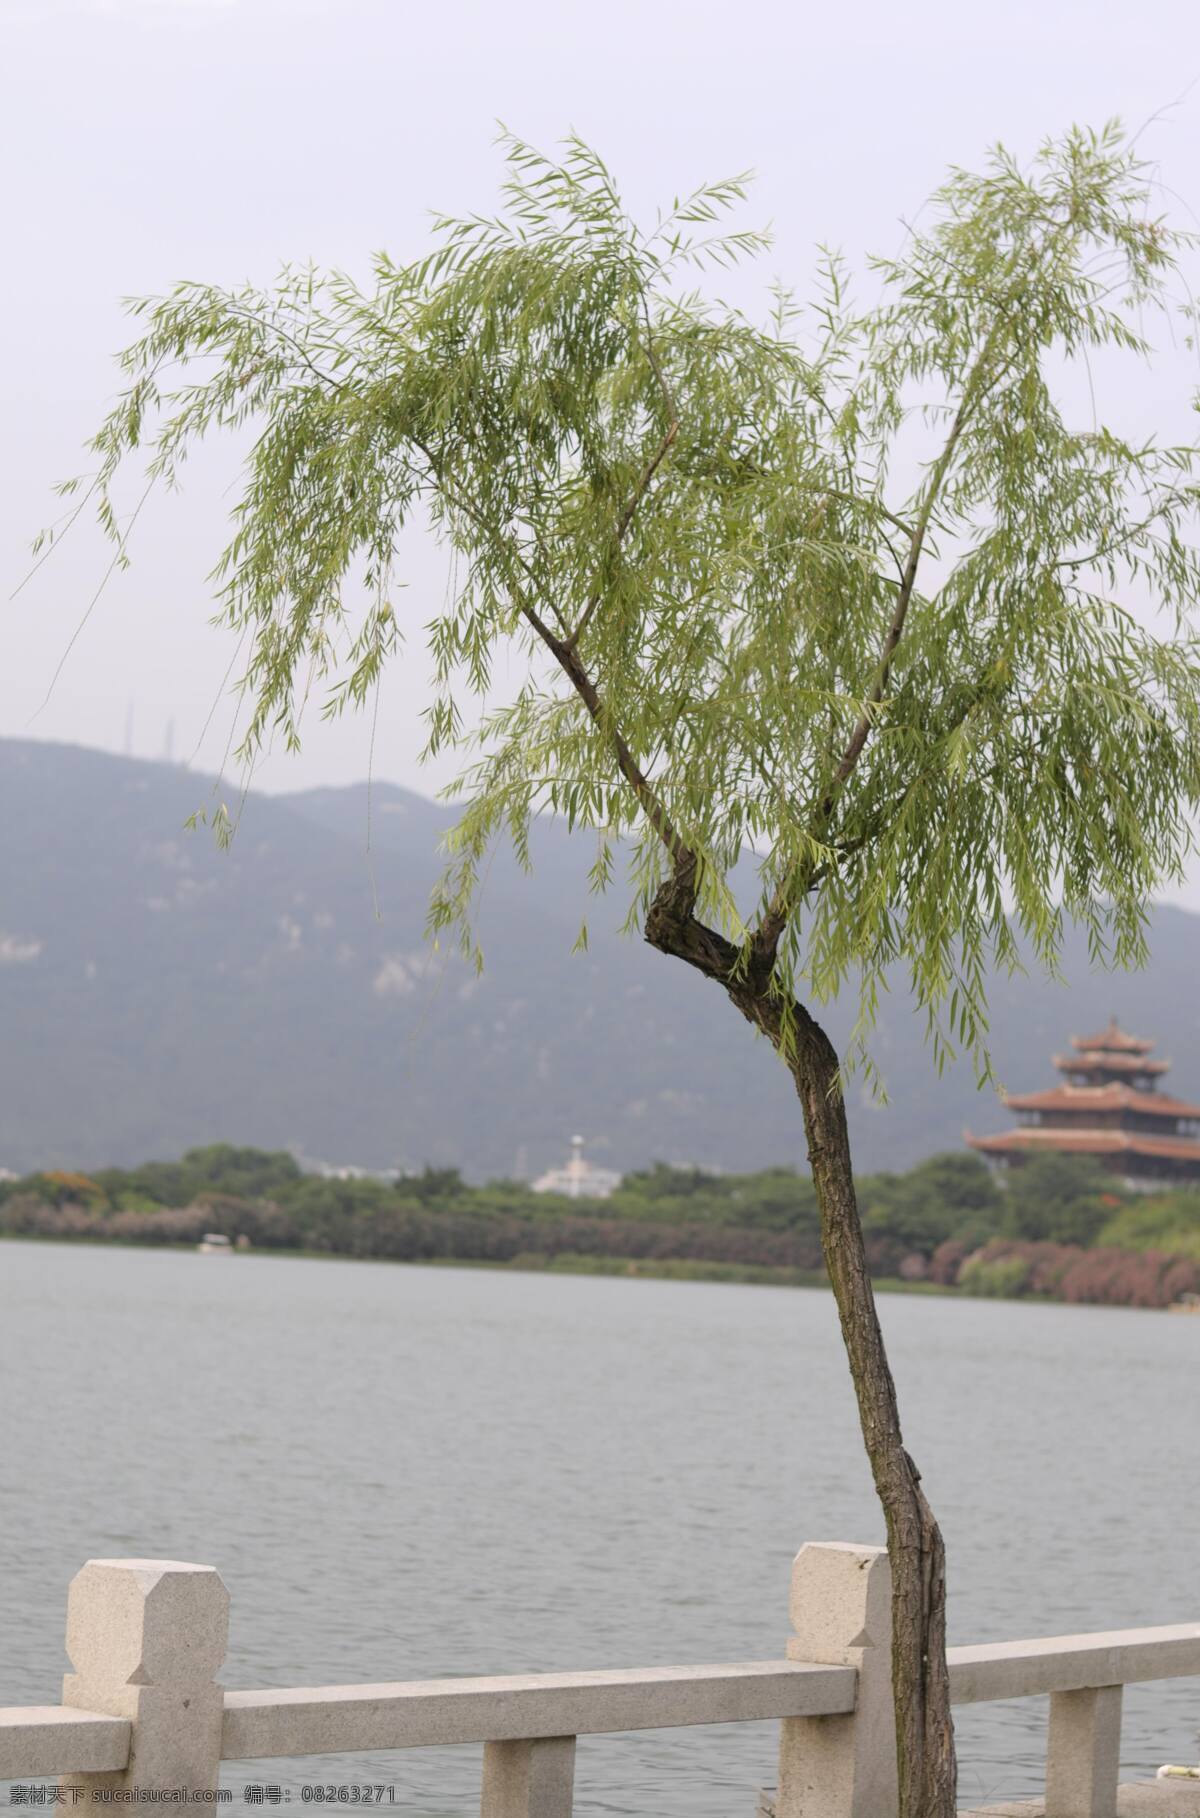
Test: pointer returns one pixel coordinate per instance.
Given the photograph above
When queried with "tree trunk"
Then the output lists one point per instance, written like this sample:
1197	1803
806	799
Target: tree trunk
924	1727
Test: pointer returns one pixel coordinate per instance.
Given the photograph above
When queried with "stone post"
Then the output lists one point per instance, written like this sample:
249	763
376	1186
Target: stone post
146	1637
841	1609
1083	1753
529	1779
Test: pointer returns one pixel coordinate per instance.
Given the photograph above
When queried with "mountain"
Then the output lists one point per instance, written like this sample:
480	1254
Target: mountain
157	992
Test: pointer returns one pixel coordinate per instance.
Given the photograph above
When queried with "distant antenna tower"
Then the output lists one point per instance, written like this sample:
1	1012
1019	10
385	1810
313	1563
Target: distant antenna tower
169	743
129	730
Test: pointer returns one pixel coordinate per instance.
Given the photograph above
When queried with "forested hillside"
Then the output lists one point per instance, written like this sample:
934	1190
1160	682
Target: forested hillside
157	993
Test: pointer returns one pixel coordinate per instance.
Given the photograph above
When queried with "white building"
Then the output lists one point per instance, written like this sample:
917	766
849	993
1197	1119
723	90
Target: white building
578	1179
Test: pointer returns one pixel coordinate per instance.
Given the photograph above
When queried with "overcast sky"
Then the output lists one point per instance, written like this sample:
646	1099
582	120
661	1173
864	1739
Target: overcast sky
149	140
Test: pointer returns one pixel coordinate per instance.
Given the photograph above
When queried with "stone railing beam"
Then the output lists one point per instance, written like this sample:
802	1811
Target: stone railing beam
40	1741
430	1713
1072	1663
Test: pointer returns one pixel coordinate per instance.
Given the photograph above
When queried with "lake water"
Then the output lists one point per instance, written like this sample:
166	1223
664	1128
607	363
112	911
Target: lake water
407	1472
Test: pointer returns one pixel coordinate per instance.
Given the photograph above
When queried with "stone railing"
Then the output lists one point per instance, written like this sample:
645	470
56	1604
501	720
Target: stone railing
142	1713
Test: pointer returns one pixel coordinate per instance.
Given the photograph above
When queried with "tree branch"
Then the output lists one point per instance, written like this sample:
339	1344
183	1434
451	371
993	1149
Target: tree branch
862	730
767	936
623	523
682	856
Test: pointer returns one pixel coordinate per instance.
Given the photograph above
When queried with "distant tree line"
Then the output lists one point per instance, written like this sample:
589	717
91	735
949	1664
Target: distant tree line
1059	1228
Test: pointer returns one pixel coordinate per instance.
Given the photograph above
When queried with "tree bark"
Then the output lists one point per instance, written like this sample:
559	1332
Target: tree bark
921	1685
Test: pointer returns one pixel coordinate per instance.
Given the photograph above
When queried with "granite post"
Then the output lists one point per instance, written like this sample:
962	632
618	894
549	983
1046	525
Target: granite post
841	1610
146	1638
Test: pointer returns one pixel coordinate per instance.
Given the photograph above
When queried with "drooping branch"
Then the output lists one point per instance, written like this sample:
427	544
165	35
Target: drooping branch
775	918
648	472
682	885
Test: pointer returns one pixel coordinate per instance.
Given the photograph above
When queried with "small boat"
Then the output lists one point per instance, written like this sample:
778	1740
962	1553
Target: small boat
213	1243
1187	1303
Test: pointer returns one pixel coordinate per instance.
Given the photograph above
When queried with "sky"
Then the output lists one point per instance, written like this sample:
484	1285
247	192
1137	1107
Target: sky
144	141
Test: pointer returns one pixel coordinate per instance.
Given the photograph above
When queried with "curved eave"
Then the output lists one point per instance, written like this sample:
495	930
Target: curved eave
1088	1142
1115	1096
1113	1041
1096	1060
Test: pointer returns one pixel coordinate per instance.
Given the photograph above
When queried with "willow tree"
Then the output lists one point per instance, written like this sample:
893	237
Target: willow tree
842	594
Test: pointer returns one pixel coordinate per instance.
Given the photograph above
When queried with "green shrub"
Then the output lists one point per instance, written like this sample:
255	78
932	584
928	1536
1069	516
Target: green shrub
999	1278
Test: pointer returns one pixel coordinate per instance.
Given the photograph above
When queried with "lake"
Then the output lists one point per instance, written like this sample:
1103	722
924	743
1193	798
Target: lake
405	1472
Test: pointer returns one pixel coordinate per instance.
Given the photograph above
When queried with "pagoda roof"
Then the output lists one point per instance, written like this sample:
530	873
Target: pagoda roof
1115	1096
1113	1040
1109	1060
1089	1142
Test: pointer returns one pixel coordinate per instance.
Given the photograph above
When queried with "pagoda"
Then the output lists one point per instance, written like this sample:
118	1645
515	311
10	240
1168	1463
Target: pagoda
1109	1106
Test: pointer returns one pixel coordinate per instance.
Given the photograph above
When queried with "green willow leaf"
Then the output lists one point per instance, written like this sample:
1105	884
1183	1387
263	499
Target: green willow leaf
851	591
